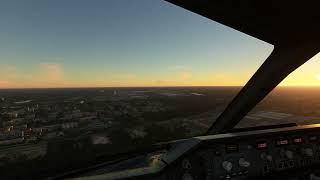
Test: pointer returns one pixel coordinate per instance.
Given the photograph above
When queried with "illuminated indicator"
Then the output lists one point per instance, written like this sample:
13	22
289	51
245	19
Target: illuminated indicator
282	142
313	138
262	145
297	140
232	148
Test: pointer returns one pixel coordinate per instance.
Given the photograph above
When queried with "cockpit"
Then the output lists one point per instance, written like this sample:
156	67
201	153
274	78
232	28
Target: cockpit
100	92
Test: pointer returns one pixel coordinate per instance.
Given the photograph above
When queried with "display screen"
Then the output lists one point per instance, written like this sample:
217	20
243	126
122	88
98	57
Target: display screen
262	145
313	138
282	142
232	148
297	140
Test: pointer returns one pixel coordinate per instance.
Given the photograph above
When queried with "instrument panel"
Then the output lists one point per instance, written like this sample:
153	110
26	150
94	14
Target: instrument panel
257	154
285	152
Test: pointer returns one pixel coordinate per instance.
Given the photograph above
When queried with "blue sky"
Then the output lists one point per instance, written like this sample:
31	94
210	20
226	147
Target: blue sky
63	43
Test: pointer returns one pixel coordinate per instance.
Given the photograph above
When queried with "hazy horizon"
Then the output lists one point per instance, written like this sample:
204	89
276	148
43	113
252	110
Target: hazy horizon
111	87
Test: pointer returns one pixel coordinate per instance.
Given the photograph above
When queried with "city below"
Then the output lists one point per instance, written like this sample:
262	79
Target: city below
38	126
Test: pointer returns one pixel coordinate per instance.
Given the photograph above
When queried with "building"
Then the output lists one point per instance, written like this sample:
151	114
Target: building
52	116
69	125
88	118
11	137
50	128
12	134
100	139
30	151
96	125
138	132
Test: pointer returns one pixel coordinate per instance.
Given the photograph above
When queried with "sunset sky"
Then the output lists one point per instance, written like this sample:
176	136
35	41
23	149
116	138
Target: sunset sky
82	43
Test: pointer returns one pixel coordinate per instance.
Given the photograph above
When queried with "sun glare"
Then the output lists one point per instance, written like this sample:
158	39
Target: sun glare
318	77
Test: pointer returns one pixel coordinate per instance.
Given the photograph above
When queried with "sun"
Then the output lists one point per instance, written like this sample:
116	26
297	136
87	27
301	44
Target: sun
318	77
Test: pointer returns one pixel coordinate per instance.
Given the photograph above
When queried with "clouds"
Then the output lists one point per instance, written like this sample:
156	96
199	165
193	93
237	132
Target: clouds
180	72
186	75
177	78
53	74
52	71
7	74
176	75
45	74
4	84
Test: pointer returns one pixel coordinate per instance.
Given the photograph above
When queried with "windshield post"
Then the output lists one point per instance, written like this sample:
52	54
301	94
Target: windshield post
281	62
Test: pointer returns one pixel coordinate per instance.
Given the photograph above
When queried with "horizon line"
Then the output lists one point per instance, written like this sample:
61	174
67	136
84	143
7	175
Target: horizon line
92	87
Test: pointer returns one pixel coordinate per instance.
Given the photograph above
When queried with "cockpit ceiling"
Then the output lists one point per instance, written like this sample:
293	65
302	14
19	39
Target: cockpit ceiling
273	21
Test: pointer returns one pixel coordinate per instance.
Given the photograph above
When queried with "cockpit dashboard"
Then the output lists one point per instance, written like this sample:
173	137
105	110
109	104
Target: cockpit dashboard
286	153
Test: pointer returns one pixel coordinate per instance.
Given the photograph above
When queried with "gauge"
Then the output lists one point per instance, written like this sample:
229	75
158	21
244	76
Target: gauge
186	164
186	176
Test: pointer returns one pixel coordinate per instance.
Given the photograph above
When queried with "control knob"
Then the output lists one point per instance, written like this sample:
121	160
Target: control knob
227	165
265	156
269	157
308	152
244	163
289	154
187	176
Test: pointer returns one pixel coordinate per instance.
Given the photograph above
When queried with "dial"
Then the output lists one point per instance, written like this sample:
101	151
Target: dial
227	165
289	154
244	163
186	176
308	152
